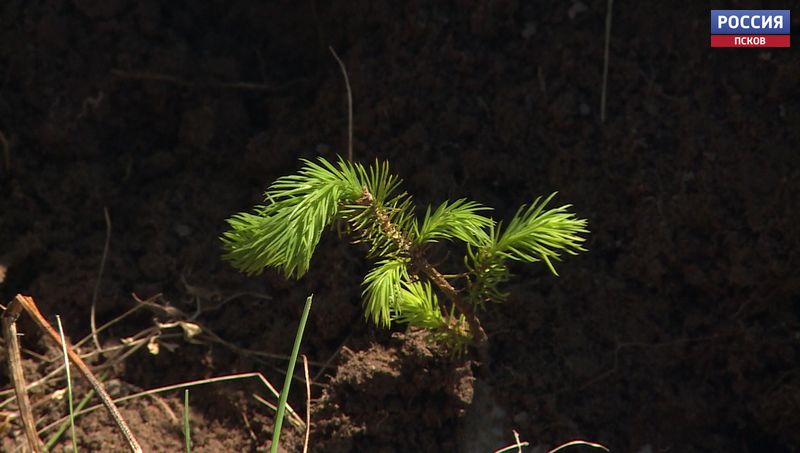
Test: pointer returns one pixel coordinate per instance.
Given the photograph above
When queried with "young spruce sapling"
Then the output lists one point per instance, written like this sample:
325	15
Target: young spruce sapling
403	286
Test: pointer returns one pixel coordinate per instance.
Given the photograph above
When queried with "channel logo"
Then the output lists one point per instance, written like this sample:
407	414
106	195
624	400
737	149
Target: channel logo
750	28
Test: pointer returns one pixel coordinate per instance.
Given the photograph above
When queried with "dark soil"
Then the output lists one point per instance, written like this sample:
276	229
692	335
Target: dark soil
677	331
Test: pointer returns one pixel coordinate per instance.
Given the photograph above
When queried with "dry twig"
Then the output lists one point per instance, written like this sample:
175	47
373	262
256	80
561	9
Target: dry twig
308	404
349	105
93	310
15	369
174	80
24	302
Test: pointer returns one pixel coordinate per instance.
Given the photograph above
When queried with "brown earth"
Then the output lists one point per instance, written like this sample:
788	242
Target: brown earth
677	331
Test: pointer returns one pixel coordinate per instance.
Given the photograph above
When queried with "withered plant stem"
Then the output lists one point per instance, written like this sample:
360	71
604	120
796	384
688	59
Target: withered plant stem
343	68
18	377
96	292
29	306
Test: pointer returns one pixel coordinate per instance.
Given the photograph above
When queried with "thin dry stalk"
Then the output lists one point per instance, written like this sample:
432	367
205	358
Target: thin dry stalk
171	79
93	310
294	418
349	105
30	306
249	427
47	378
15	368
65	357
578	442
519	443
104	327
261	400
206	334
308	404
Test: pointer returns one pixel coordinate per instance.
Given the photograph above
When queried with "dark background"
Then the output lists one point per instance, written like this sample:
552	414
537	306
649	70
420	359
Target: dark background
677	331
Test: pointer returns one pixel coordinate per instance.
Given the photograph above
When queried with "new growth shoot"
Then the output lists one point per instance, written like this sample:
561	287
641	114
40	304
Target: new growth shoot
403	286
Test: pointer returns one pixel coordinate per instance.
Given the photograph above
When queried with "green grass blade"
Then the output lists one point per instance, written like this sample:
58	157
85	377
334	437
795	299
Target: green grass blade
69	386
289	372
51	442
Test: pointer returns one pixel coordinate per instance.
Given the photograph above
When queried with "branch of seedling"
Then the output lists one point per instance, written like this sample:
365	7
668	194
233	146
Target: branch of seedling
420	262
284	232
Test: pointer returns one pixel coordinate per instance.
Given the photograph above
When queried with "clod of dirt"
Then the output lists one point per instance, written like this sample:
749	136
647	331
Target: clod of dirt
407	396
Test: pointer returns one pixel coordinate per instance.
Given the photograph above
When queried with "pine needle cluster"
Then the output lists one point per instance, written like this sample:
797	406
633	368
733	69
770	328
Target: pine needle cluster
403	286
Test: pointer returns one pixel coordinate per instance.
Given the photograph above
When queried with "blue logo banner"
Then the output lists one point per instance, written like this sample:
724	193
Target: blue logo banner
750	21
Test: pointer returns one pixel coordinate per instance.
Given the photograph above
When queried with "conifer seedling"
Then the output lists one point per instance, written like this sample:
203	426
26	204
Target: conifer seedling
403	286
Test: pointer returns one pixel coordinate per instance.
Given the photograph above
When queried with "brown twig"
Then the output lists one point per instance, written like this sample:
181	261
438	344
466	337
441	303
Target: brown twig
29	305
15	368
